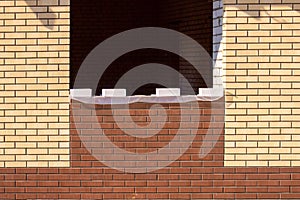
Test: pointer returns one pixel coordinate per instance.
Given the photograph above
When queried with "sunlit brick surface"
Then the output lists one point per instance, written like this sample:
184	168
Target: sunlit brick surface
261	64
34	83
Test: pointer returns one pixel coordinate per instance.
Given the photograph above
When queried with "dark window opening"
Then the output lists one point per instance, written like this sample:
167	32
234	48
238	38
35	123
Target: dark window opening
93	21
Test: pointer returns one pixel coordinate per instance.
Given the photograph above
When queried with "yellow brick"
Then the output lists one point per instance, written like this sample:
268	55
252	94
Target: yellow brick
234	163
36	100
15	138
64	119
48	145
280	124
59	112
37	138
257	163
290	144
269	105
268	144
25	157
59	48
59	73
257	150
47	119
48	80
37	47
59	138
258	46
64	157
36	125
271	39
15	87
47	132
59	164
279	163
26	145
15	164
26	80
48	54
64	131
37	151
64	144
258	112
26	42
47	157
37	61
25	54
246	118
36	112
37	164
246	157
48	41
7	119
47	67
280	137
235	137
235	151
295	163
281	46
272	131
25	119
58	125
7	157
257	137
235	124
14	151
258	59
246	144
290	157
59	151
280	111
37	74
47	93
36	87
279	150
268	157
269	118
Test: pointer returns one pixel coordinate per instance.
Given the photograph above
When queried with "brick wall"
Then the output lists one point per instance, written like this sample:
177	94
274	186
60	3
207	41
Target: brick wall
115	122
34	83
261	131
262	74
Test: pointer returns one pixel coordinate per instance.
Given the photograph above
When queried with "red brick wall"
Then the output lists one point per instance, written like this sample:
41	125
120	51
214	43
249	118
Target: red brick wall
82	122
87	178
173	183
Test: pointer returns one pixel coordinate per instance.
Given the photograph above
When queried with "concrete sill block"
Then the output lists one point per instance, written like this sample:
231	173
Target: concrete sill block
160	92
215	92
81	92
114	92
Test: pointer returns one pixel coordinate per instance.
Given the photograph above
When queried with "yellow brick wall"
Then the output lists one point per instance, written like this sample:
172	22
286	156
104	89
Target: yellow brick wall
261	63
34	83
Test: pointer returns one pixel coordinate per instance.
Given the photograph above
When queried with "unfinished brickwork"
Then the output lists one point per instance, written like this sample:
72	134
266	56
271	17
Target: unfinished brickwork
262	75
34	83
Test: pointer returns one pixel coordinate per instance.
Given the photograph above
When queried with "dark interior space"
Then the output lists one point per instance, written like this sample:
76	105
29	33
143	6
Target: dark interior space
93	21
